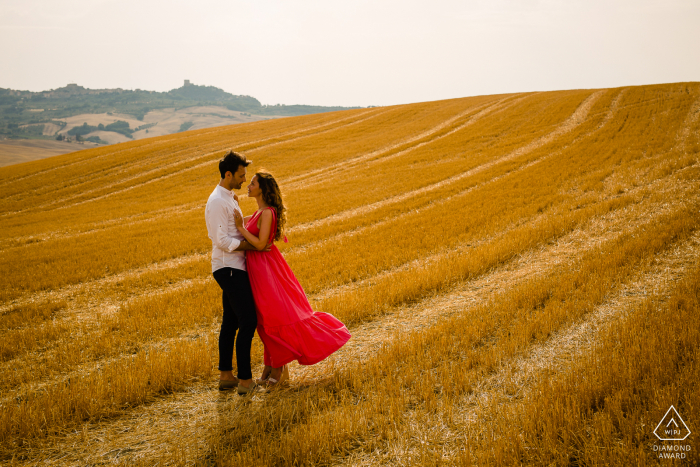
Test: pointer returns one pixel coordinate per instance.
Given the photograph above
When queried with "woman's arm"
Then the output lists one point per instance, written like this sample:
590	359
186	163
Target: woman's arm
265	225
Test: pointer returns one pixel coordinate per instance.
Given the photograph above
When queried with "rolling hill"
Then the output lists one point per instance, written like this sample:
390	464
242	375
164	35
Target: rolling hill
108	116
519	272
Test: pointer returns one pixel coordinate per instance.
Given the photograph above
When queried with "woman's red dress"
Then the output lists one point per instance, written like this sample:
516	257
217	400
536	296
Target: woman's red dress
288	327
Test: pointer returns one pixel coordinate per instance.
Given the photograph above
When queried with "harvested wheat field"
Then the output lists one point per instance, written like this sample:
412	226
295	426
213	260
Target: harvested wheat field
26	150
520	274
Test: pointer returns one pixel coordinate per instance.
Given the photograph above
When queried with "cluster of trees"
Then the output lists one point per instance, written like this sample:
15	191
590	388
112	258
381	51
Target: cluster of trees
13	129
119	126
96	139
185	126
79	138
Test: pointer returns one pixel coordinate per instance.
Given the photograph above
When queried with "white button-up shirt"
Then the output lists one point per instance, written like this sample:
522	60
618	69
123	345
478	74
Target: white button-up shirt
223	233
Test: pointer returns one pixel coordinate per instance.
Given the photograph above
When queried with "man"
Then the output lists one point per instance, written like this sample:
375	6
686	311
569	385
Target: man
228	267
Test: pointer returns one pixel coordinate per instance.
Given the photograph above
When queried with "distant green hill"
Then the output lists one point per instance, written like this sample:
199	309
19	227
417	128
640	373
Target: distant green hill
22	113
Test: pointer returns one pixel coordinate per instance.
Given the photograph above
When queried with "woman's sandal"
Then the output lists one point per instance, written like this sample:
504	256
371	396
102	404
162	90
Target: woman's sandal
265	376
284	378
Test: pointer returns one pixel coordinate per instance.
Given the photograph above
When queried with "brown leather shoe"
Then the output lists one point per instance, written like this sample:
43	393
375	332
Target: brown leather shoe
252	390
226	384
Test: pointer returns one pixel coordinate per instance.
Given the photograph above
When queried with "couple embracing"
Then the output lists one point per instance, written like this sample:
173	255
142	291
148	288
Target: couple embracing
259	290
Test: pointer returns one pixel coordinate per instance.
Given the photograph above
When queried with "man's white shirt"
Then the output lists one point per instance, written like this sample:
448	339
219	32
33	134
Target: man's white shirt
224	235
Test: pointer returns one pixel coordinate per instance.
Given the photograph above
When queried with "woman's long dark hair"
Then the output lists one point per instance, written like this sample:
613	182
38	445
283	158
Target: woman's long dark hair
272	195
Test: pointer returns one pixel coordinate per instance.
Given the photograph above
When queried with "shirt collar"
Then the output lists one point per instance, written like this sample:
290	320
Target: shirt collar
229	193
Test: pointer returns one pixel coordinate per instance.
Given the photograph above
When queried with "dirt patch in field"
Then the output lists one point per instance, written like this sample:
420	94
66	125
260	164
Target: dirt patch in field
109	136
51	129
169	121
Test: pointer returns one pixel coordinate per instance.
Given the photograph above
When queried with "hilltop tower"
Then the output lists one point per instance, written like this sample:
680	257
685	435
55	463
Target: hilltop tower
187	82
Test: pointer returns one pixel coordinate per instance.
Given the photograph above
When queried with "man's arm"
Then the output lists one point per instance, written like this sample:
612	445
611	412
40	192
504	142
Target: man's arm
245	246
217	224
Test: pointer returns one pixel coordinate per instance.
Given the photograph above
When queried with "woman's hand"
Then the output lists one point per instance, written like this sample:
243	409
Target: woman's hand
259	243
239	220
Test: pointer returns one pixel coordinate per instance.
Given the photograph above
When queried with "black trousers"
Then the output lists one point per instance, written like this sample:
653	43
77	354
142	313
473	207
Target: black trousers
239	316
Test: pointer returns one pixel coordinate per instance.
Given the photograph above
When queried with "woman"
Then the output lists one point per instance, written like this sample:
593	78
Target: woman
289	328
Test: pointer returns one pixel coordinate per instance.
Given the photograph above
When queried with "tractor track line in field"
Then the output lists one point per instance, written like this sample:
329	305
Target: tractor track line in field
93	286
162	142
657	186
578	117
211	149
124	221
113	154
363	210
187	169
426	134
70	164
324	174
208	153
690	123
93	311
248	152
381	111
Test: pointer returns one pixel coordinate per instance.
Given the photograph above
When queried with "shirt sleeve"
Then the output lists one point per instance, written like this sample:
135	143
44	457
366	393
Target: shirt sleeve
219	225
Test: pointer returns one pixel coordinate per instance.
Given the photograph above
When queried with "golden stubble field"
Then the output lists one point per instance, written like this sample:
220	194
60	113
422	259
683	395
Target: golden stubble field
27	150
519	272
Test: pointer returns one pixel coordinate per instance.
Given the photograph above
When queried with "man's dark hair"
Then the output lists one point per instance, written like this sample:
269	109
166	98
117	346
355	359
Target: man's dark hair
231	162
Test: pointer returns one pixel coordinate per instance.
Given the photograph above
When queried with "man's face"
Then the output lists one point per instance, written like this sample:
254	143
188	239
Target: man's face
238	178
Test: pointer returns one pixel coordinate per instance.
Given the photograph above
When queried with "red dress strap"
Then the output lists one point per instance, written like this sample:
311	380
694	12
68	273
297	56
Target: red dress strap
273	226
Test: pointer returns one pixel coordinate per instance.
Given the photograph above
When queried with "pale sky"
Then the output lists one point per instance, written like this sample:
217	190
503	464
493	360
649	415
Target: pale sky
332	52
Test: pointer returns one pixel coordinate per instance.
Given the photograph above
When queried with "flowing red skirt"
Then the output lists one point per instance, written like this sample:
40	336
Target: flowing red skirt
288	327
